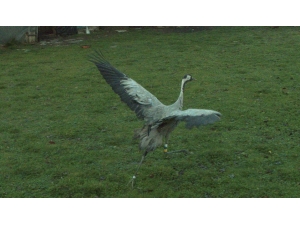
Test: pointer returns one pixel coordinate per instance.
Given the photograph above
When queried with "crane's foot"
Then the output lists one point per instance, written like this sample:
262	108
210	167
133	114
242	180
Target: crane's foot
186	152
132	181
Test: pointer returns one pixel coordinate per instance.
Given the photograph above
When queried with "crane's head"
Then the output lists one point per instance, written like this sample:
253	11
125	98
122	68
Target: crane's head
187	78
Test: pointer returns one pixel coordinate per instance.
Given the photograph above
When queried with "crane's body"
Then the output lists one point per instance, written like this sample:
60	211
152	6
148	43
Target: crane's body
159	120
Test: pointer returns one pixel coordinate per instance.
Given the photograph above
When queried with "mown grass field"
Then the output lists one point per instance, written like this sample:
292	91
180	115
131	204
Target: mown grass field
65	133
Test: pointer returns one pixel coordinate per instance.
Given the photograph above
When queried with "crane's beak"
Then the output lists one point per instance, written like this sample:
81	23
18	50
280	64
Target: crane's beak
193	79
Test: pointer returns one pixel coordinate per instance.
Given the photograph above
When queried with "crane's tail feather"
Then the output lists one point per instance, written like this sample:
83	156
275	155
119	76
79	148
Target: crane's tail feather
149	141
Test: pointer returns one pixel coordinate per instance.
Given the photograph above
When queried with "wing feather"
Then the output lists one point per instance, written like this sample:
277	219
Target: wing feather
193	117
133	94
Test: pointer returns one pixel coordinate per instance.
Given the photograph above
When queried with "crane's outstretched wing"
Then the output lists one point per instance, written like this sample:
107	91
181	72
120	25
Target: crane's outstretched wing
134	95
193	117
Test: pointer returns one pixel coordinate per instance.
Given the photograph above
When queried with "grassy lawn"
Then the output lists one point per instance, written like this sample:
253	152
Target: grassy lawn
65	133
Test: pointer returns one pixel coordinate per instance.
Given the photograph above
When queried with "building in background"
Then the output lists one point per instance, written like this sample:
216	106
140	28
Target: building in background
32	34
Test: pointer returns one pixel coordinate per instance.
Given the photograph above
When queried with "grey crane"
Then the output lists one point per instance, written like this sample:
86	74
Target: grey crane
159	119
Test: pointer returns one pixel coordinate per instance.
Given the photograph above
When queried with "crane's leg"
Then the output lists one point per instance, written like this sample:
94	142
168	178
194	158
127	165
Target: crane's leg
134	176
166	144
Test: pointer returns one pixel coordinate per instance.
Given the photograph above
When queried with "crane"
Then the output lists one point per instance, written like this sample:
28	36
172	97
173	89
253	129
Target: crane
159	119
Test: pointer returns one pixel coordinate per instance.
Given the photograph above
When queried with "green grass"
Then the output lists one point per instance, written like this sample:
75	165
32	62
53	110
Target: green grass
65	133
